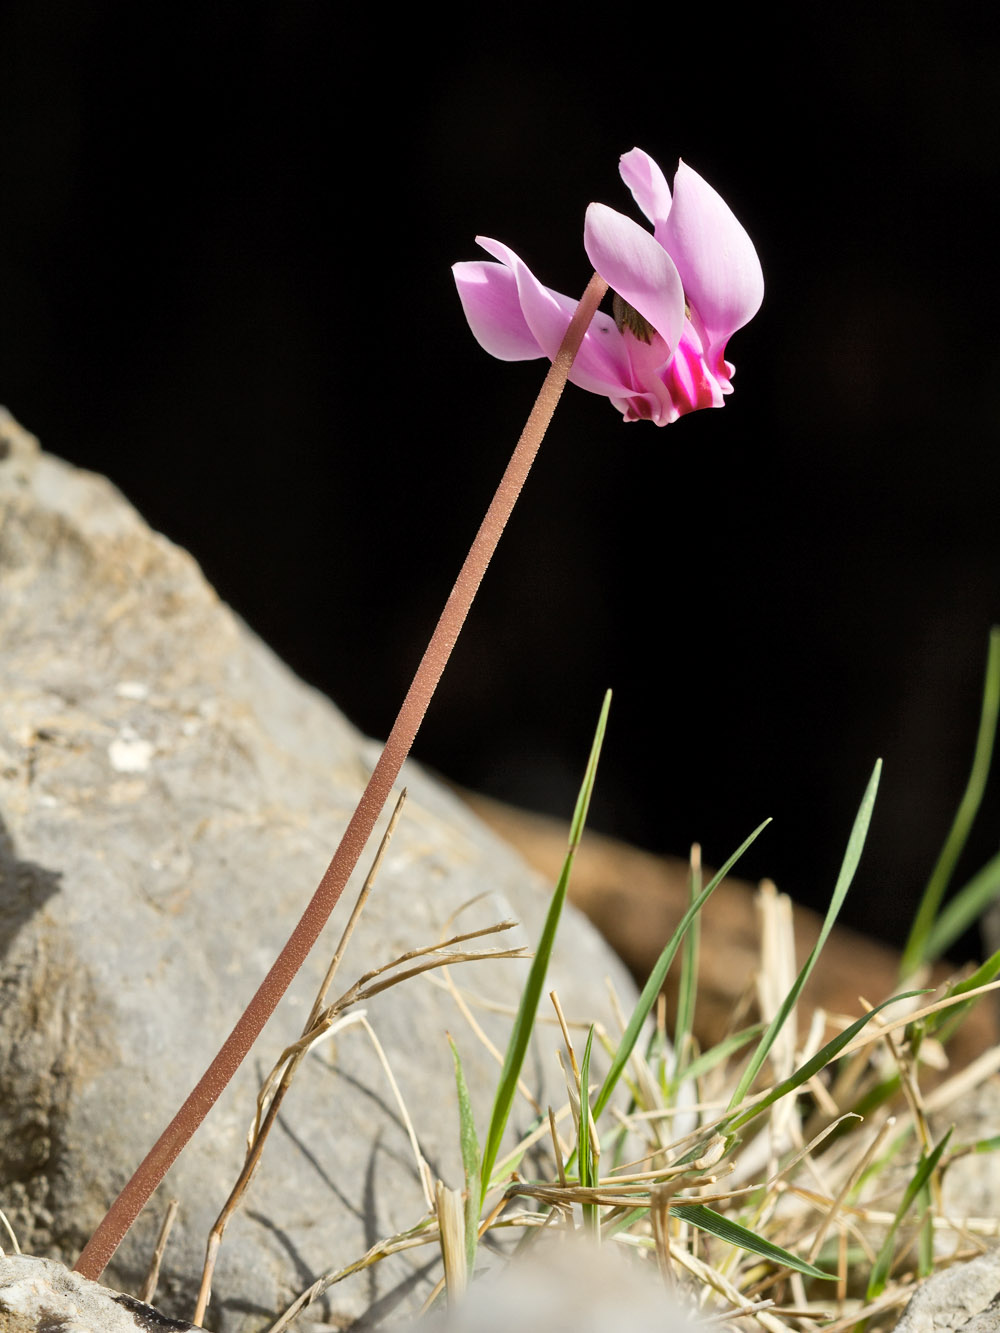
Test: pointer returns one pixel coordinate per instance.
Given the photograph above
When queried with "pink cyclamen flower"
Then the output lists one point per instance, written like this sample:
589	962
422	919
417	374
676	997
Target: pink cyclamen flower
679	294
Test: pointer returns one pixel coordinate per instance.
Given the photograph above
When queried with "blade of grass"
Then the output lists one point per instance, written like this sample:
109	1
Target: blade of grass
964	910
852	856
470	1158
943	1025
917	949
706	1219
451	1226
584	1147
656	978
527	1009
925	1245
812	1066
883	1262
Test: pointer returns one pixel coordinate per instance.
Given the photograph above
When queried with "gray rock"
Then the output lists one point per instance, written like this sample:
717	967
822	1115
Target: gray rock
965	1297
169	796
40	1294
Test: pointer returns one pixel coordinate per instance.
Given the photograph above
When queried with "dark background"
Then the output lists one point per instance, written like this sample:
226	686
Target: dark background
224	255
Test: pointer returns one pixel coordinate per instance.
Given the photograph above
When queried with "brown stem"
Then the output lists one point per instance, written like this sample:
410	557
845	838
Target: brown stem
263	1124
158	1160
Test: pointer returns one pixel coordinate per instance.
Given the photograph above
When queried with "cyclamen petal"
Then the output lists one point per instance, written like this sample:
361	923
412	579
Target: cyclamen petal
694	281
648	184
632	264
515	318
714	256
492	306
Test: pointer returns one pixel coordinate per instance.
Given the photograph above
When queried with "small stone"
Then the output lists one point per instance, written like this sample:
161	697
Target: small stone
965	1298
43	1296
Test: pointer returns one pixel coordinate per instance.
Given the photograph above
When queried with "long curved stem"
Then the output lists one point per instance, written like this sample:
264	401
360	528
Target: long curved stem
154	1166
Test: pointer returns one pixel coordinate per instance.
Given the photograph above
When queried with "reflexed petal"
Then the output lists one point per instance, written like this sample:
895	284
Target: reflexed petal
488	293
637	267
715	257
600	364
546	313
648	184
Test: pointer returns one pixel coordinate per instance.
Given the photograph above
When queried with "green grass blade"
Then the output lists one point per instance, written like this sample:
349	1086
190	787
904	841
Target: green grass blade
883	1261
470	1159
918	945
925	1248
623	1222
852	856
706	1219
656	978
812	1066
585	1150
964	910
520	1036
943	1024
876	1096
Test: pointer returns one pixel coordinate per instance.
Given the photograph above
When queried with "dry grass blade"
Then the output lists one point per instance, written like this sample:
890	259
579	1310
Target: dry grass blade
423	1170
849	1183
434	955
424	1233
148	1289
451	1226
5	1223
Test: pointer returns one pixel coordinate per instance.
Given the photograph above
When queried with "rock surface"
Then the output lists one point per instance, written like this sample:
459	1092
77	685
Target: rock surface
39	1294
169	796
966	1298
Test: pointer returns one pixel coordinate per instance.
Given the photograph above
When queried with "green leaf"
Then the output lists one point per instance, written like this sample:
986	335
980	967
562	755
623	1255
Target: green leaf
923	945
470	1159
623	1222
852	856
706	1219
654	985
944	1023
967	906
876	1096
883	1262
520	1035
